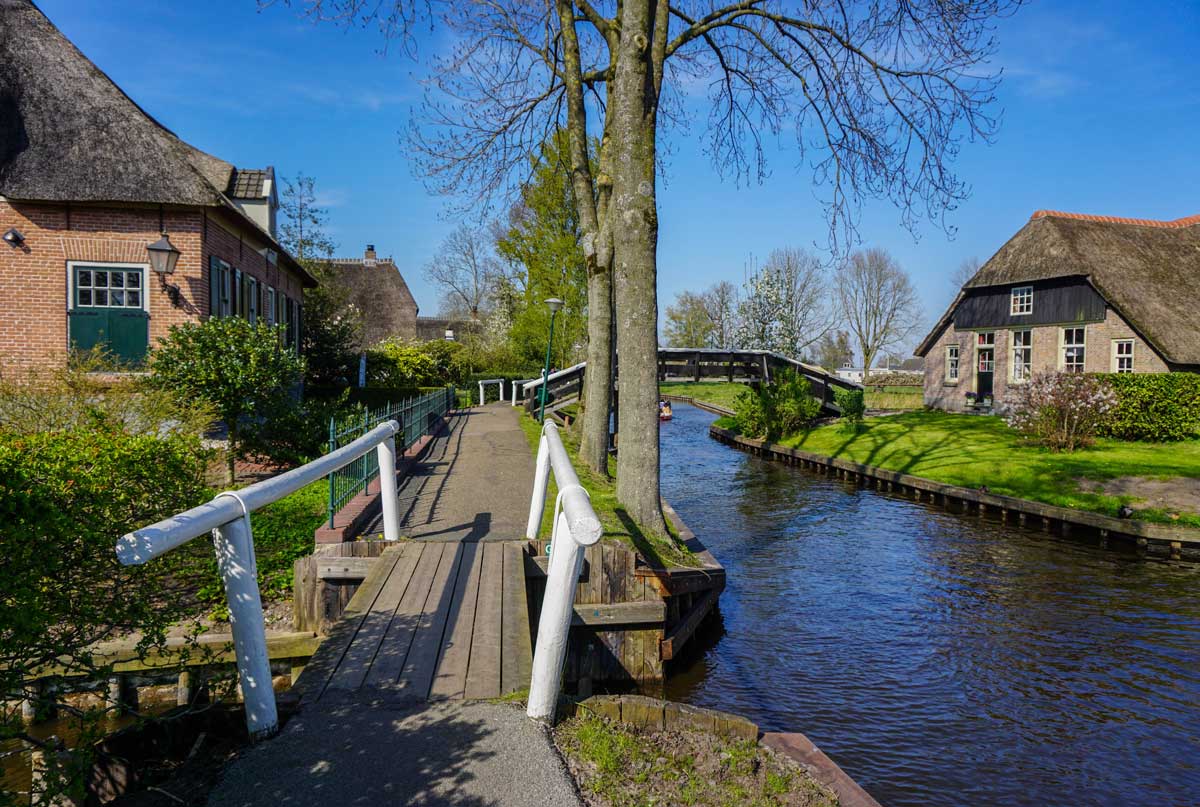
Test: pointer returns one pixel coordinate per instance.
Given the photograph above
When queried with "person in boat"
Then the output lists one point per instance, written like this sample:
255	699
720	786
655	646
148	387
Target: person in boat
664	409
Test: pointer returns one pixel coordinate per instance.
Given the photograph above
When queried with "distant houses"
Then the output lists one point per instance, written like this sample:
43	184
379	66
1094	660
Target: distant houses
88	181
1075	293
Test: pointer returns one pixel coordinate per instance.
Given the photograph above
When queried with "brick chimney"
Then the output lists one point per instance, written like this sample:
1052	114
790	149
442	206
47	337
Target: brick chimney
369	255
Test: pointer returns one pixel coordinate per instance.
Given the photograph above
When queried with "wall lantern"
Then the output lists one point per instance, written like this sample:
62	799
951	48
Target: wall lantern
163	257
13	237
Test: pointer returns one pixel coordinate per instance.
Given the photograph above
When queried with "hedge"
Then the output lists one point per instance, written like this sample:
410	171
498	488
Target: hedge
1157	407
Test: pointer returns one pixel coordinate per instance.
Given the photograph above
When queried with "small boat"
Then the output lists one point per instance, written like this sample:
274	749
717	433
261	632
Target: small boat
661	416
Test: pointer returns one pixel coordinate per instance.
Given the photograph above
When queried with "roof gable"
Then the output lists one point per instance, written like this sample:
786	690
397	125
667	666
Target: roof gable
71	134
1149	271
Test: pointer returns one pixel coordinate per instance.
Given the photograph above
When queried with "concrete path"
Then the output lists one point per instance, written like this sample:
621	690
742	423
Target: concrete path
473	484
356	751
362	747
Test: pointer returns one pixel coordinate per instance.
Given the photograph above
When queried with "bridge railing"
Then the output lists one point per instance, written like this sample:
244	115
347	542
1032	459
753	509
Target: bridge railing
227	516
574	526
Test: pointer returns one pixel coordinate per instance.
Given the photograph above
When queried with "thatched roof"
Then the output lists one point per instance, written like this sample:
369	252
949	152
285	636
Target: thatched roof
70	134
1149	271
376	287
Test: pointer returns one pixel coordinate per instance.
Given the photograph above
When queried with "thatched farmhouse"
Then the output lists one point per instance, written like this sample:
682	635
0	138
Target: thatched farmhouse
1070	292
376	288
113	228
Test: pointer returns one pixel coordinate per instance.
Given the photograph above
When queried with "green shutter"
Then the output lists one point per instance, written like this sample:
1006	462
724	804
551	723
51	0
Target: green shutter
214	286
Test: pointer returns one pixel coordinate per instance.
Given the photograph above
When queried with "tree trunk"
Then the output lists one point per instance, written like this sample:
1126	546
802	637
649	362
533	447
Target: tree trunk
597	379
632	114
231	457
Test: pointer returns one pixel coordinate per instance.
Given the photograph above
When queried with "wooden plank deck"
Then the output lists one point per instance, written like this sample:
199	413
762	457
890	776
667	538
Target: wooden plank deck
432	620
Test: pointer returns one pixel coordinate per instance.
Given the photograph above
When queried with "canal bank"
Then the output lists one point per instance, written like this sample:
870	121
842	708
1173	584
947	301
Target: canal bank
939	660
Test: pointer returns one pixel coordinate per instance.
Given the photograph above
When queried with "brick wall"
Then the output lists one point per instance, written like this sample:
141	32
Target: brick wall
33	278
1046	349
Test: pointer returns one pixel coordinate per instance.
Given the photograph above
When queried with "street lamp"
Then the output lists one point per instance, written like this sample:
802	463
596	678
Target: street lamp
555	305
163	257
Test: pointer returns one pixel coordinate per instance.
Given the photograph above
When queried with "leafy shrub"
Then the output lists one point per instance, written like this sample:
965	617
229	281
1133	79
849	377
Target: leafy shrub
65	498
399	363
451	359
87	393
853	404
1062	411
782	407
298	431
238	368
1153	406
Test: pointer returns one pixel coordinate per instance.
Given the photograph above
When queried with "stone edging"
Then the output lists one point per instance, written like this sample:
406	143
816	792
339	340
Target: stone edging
1171	541
652	714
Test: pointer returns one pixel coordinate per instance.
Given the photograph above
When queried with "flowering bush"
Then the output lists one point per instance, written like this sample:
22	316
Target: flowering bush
1063	411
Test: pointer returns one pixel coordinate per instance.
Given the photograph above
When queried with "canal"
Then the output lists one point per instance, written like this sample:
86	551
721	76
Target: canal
939	659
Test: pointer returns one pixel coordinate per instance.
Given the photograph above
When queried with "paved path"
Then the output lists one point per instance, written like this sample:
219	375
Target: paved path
389	709
473	484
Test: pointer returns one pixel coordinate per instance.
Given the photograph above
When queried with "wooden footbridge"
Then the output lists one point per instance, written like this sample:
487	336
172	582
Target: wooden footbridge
701	364
432	620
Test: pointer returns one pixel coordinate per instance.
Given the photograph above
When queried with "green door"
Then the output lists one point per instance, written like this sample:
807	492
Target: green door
109	310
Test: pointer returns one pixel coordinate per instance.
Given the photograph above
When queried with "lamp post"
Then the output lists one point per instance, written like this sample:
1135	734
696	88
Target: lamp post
555	305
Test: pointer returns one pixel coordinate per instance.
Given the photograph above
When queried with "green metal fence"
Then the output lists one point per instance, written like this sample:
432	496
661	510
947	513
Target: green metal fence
416	416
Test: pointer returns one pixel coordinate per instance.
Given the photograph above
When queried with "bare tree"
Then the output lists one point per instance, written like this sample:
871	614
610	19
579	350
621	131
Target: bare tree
807	311
721	303
878	302
463	270
963	274
880	94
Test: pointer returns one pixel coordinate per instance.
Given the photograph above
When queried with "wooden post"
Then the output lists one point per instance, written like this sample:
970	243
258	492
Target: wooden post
183	689
1176	550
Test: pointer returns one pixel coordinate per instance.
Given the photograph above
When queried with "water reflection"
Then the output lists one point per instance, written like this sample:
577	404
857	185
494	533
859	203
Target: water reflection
941	659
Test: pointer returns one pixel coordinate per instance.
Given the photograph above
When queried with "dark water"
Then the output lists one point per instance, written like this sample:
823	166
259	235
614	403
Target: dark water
941	660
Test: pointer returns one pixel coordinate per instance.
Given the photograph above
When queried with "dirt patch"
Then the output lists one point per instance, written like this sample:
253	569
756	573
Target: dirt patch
1178	495
615	765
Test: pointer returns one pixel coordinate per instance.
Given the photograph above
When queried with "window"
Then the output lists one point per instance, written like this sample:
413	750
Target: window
270	305
107	308
1021	302
986	339
1122	356
951	362
108	288
1073	350
1022	355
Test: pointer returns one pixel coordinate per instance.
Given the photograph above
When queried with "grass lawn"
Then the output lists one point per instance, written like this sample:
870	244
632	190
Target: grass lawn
617	524
970	450
895	397
721	393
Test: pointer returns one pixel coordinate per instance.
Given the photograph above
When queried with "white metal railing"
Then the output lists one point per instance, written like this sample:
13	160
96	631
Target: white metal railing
227	516
499	382
574	527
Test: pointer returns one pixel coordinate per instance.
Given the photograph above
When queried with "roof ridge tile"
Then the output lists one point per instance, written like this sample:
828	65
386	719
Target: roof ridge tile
1186	221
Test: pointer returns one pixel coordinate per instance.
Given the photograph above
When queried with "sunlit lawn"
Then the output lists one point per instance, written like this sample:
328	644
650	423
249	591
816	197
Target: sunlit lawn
973	451
721	393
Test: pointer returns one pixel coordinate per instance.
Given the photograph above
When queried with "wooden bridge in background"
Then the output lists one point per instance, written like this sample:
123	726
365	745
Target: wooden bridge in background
704	364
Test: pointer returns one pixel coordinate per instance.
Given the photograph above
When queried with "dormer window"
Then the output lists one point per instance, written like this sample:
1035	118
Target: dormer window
1021	301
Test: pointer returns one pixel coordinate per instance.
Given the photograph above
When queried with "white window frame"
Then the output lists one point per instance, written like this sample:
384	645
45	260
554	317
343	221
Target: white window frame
1020	301
145	267
270	305
949	377
1063	345
1026	368
1115	357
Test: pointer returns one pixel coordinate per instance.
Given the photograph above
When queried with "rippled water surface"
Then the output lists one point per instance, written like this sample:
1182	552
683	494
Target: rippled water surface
940	659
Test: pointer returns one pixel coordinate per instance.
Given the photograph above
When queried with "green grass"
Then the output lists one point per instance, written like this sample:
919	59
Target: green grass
618	525
895	397
721	393
623	766
970	451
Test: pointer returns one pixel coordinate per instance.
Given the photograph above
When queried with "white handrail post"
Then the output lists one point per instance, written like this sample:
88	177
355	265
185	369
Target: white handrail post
554	625
234	547
481	393
386	452
541	482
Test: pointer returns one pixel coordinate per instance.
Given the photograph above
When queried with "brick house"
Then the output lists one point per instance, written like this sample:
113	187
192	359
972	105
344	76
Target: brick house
87	181
1070	292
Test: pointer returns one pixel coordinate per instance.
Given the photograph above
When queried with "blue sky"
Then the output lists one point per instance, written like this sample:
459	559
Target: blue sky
1101	114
